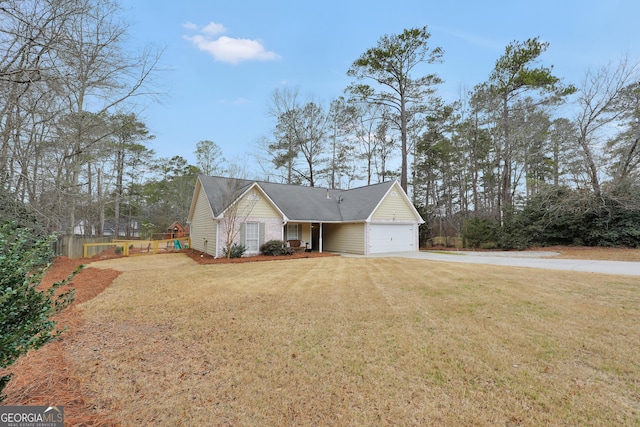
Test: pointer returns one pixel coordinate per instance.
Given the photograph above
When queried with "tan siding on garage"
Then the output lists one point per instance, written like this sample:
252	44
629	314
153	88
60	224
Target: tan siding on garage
394	207
203	227
344	238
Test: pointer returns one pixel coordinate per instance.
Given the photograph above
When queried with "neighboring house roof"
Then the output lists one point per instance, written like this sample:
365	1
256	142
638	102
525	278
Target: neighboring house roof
111	224
299	203
176	224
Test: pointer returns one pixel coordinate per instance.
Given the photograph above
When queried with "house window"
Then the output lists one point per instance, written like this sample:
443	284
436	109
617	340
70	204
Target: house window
293	232
252	236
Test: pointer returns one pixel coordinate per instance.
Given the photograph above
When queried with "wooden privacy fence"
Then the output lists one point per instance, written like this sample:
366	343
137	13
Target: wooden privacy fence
73	246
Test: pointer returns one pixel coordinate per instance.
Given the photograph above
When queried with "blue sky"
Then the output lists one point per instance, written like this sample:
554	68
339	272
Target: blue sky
223	60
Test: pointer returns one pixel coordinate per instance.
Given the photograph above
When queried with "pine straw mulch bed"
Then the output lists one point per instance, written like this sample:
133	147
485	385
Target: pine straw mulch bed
46	377
201	258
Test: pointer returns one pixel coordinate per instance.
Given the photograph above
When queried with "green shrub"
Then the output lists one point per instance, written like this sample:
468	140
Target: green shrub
25	312
237	250
119	250
478	232
488	245
273	247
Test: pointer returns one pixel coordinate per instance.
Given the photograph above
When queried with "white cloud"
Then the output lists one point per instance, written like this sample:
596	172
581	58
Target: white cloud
228	49
190	26
214	29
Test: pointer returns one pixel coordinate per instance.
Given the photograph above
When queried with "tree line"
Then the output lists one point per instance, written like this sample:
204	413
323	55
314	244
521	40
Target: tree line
72	150
522	158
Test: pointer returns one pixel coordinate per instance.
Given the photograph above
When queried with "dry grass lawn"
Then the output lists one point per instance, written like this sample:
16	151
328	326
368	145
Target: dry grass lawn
353	341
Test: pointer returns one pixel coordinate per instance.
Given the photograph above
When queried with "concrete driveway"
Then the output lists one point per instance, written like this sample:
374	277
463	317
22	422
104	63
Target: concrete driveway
524	259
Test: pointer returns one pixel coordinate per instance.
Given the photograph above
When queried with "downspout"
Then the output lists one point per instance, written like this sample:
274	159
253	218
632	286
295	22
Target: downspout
217	238
367	236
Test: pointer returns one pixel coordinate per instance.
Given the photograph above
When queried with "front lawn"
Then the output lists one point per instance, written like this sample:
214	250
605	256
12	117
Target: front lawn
355	341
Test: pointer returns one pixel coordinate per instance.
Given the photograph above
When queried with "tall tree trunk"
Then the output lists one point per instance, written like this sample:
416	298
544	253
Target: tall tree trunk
626	167
90	214
403	137
506	156
100	230
475	172
592	169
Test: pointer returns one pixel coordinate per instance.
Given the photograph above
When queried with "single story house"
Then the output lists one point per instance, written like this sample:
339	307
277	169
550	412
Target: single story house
365	220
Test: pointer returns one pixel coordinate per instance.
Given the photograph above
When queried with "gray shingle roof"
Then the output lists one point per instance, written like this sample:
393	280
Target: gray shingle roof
300	203
221	192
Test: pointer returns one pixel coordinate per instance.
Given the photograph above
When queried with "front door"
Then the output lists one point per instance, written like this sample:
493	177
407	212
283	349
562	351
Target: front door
315	236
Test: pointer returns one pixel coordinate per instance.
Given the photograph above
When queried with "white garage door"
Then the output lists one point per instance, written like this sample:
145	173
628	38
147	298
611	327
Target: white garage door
391	238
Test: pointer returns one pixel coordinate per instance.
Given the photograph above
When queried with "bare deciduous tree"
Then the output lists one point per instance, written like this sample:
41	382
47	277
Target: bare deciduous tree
300	137
65	69
237	210
209	157
598	106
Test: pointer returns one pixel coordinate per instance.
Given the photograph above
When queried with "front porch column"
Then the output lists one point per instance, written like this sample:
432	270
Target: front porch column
320	239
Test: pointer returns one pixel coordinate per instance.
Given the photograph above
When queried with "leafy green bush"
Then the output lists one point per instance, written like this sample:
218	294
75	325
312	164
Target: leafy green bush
479	232
119	250
565	216
23	216
237	250
273	247
25	312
